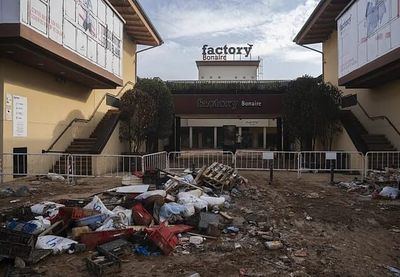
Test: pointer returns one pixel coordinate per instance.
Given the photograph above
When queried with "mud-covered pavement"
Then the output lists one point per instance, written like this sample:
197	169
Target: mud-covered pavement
325	232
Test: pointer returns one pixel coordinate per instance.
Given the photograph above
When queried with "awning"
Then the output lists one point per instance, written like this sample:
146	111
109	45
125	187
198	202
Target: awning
322	22
138	26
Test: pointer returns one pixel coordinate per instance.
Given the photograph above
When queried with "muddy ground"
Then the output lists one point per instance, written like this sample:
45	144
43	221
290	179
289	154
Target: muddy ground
325	231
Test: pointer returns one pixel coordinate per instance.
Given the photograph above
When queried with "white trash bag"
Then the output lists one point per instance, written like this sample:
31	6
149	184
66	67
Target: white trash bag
98	206
55	243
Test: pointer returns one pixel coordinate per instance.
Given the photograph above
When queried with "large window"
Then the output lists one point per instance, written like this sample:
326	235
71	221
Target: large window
203	137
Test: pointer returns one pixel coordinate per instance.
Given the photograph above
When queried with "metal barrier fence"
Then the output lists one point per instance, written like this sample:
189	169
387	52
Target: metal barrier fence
76	165
197	159
156	160
23	164
254	160
318	161
104	165
382	160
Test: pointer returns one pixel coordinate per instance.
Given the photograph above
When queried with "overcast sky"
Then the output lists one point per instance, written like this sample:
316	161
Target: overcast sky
185	25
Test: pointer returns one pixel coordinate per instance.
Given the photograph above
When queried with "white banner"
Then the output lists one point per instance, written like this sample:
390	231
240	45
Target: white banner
39	15
56	20
20	116
366	31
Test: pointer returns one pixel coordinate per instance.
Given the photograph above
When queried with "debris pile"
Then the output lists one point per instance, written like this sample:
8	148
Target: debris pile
377	184
182	211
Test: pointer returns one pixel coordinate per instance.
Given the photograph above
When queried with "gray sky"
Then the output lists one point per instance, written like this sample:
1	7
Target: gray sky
185	25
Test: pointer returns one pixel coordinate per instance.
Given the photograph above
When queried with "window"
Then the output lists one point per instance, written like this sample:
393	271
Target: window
20	167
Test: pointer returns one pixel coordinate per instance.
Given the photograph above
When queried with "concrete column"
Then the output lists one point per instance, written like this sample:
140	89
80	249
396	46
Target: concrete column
190	137
265	137
240	131
215	137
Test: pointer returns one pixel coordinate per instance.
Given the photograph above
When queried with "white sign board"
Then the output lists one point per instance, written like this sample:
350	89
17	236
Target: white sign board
268	155
368	30
331	156
20	116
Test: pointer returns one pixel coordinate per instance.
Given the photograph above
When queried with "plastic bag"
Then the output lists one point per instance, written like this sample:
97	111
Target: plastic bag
147	194
46	208
97	205
213	201
185	198
389	192
124	214
55	243
41	224
170	209
55	177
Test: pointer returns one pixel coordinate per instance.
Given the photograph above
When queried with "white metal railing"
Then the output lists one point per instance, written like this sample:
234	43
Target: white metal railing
317	161
23	164
254	160
84	165
382	160
78	165
197	159
155	161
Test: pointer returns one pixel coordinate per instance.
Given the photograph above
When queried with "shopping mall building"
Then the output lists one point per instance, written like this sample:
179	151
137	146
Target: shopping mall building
63	66
227	107
361	55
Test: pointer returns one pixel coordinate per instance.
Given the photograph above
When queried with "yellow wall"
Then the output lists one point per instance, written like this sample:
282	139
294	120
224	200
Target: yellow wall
382	100
53	104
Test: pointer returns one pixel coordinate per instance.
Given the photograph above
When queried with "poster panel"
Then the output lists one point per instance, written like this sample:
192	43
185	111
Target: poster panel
92	49
81	43
69	34
38	15
24	11
101	55
70	9
377	25
20	116
56	19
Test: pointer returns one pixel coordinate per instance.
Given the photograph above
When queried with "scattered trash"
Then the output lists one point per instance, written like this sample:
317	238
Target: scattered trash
55	243
55	177
105	222
196	240
274	245
389	192
131	189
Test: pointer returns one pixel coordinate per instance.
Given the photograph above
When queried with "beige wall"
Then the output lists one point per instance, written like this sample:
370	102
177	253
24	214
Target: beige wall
53	104
382	100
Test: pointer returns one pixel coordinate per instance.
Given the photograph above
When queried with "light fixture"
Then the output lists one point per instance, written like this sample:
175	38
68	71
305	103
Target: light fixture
10	52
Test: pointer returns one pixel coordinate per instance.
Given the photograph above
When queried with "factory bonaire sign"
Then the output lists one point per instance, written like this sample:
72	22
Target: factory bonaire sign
228	104
225	104
222	52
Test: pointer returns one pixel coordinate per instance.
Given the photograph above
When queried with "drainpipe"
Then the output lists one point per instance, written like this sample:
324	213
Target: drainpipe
136	57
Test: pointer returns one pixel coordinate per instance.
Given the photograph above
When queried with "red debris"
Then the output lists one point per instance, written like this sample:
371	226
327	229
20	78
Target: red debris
92	239
140	215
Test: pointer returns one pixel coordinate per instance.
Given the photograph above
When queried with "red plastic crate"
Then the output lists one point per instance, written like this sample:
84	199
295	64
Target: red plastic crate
164	239
92	239
140	215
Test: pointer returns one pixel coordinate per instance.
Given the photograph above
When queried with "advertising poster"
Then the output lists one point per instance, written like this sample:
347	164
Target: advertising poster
38	13
56	19
69	34
20	116
81	43
70	9
368	30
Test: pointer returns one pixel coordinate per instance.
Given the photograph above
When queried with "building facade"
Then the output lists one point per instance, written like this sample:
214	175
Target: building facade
227	108
62	62
361	55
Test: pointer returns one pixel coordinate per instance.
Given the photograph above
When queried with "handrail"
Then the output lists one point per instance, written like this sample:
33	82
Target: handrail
373	118
91	116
